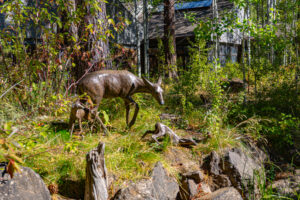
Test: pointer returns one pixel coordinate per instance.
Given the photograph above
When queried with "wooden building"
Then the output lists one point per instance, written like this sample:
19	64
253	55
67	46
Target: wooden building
230	43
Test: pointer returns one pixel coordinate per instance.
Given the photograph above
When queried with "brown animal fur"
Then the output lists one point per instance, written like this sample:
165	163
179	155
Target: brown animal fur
80	113
117	83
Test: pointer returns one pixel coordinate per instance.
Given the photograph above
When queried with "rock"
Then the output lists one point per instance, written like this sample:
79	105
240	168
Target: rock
27	185
159	187
288	187
181	159
212	166
242	170
228	193
233	85
235	168
193	183
165	187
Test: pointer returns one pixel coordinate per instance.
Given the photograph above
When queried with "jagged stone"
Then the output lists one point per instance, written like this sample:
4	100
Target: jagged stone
193	183
228	193
288	187
242	170
159	187
235	168
26	185
212	166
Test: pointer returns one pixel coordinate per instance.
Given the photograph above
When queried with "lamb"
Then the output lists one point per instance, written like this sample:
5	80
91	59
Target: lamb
161	130
78	112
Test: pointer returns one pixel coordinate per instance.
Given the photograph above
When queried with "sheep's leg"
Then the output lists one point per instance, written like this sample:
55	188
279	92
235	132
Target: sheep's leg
94	111
175	138
135	111
154	137
148	132
80	125
127	106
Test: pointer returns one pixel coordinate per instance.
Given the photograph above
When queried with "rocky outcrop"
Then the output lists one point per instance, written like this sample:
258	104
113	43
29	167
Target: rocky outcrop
288	187
26	185
235	168
228	193
159	187
192	184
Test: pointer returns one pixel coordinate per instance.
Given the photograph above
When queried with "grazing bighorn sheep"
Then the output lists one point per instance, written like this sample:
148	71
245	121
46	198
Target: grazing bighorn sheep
117	83
78	112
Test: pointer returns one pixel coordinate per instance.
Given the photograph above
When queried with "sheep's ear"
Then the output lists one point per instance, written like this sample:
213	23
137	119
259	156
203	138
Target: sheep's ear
148	83
159	80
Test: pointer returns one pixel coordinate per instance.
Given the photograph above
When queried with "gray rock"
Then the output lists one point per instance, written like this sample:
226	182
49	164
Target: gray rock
213	167
235	168
242	169
27	185
193	183
159	187
288	187
228	193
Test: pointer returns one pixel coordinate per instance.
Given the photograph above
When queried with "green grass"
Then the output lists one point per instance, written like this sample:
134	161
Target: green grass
60	160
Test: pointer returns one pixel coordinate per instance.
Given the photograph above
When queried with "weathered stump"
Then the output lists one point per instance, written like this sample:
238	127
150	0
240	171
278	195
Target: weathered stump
96	175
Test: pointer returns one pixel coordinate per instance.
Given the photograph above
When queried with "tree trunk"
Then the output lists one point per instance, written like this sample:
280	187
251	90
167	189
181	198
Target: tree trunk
96	175
249	42
94	52
169	37
216	39
146	42
138	49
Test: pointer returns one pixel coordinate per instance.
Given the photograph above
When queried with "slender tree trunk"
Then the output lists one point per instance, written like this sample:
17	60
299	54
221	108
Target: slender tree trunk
169	37
244	68
262	13
146	41
138	48
243	62
94	50
249	41
285	32
258	49
216	39
272	18
295	18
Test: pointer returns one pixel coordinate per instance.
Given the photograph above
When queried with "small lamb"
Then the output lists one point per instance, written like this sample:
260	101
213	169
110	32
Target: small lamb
161	130
78	112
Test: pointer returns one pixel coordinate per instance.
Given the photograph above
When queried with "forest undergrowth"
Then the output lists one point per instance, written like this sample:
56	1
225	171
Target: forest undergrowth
36	134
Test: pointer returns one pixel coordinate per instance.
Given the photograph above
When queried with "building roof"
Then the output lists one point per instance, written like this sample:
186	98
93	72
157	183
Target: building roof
190	5
183	27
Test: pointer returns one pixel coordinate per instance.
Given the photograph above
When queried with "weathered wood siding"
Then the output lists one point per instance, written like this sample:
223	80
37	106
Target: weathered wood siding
127	37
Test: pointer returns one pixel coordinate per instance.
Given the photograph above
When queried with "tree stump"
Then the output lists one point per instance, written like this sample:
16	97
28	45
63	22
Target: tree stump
96	175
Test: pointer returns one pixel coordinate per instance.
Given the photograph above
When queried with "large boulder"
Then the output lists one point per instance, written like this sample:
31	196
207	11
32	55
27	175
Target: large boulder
26	185
242	170
235	168
159	187
228	193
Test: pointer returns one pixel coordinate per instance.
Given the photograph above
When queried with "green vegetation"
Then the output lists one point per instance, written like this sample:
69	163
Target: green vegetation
36	96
